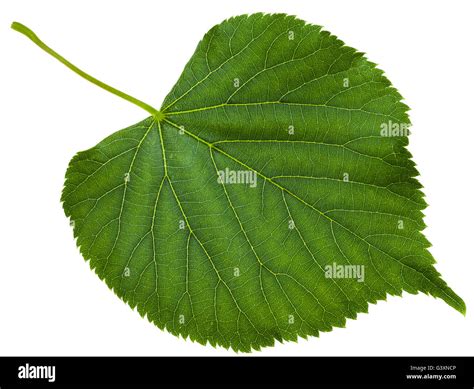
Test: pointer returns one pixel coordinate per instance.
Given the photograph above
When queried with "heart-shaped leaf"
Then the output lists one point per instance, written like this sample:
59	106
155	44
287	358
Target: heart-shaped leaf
271	197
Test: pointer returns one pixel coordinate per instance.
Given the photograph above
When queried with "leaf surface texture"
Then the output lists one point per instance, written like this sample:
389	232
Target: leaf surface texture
241	266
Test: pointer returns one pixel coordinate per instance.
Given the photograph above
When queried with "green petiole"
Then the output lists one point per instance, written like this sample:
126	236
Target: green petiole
34	38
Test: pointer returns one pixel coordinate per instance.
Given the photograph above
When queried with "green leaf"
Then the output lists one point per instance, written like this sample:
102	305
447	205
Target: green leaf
271	197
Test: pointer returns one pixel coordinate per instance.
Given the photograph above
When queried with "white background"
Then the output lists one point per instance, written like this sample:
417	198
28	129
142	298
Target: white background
51	303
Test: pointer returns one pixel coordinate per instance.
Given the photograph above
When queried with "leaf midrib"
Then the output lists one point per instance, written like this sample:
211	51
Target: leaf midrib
259	103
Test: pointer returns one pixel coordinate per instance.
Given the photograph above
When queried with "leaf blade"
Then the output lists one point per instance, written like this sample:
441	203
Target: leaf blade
238	266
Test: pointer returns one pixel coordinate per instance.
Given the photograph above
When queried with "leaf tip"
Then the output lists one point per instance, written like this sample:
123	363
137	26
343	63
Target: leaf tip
462	308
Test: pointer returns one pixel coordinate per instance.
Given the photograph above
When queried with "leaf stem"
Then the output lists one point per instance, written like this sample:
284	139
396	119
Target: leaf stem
34	38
